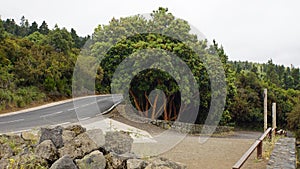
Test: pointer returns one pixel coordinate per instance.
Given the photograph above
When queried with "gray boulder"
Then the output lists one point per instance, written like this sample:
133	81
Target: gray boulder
30	136
64	162
118	142
97	136
94	160
46	150
164	163
67	136
115	161
78	147
136	164
55	135
77	129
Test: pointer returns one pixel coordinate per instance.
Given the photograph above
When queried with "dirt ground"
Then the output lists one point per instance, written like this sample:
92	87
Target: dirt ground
216	153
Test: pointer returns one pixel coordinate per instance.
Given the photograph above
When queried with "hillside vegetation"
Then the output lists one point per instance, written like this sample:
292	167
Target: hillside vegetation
37	64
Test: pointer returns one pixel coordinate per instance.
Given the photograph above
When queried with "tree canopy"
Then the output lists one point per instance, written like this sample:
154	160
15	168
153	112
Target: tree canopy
37	64
124	37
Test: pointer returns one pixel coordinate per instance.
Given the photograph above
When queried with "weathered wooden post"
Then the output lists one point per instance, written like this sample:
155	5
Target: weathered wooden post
274	120
259	150
265	109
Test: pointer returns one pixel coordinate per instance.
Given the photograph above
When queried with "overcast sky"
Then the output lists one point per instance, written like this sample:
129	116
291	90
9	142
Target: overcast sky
254	30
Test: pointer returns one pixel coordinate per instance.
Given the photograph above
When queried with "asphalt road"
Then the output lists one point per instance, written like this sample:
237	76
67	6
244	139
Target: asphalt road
65	113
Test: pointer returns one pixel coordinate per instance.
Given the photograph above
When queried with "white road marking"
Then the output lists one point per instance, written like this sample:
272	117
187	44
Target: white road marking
5	122
84	118
61	124
56	113
52	104
72	109
85	105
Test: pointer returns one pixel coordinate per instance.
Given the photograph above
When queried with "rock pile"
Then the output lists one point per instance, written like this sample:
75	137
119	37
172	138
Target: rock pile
74	148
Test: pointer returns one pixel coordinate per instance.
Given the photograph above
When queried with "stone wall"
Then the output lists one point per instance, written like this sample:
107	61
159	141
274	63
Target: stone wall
191	128
284	154
74	148
178	126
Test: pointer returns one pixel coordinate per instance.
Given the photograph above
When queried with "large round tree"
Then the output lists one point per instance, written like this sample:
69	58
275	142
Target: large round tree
155	92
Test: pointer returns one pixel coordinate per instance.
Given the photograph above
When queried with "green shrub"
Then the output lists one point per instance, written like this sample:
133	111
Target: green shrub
293	119
20	98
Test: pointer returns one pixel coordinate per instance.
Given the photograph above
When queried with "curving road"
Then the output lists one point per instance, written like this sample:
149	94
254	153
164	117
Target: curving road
66	112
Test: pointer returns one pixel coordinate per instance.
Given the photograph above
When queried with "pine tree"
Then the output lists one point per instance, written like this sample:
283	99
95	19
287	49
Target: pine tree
10	26
23	29
33	28
76	39
43	29
1	30
295	73
272	75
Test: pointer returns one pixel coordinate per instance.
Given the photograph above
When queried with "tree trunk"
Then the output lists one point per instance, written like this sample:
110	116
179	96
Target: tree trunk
147	105
165	112
154	107
135	101
171	102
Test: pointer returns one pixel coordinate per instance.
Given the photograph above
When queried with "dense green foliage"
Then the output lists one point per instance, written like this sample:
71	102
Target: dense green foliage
245	81
279	75
125	38
36	63
251	79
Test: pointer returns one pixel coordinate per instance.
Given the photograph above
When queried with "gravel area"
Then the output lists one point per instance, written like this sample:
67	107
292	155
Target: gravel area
216	153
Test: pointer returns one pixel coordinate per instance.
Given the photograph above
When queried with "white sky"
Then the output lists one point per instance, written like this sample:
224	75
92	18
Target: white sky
254	30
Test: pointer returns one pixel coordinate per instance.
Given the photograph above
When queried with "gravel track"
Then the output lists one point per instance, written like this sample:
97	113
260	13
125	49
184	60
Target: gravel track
216	153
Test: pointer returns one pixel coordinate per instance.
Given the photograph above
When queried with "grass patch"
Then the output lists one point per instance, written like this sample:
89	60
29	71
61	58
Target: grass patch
268	146
20	98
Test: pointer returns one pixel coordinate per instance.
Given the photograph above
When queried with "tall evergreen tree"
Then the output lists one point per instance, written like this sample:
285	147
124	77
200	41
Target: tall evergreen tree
33	28
43	29
60	39
10	26
1	30
23	19
295	73
271	74
288	80
76	39
23	29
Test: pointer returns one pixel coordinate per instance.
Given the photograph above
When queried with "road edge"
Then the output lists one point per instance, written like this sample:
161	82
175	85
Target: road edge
48	105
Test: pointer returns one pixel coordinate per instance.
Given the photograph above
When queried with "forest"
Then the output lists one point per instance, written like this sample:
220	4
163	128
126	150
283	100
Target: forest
37	64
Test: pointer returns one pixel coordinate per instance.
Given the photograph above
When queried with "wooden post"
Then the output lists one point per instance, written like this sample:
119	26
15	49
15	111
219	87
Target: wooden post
274	119
259	150
265	109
